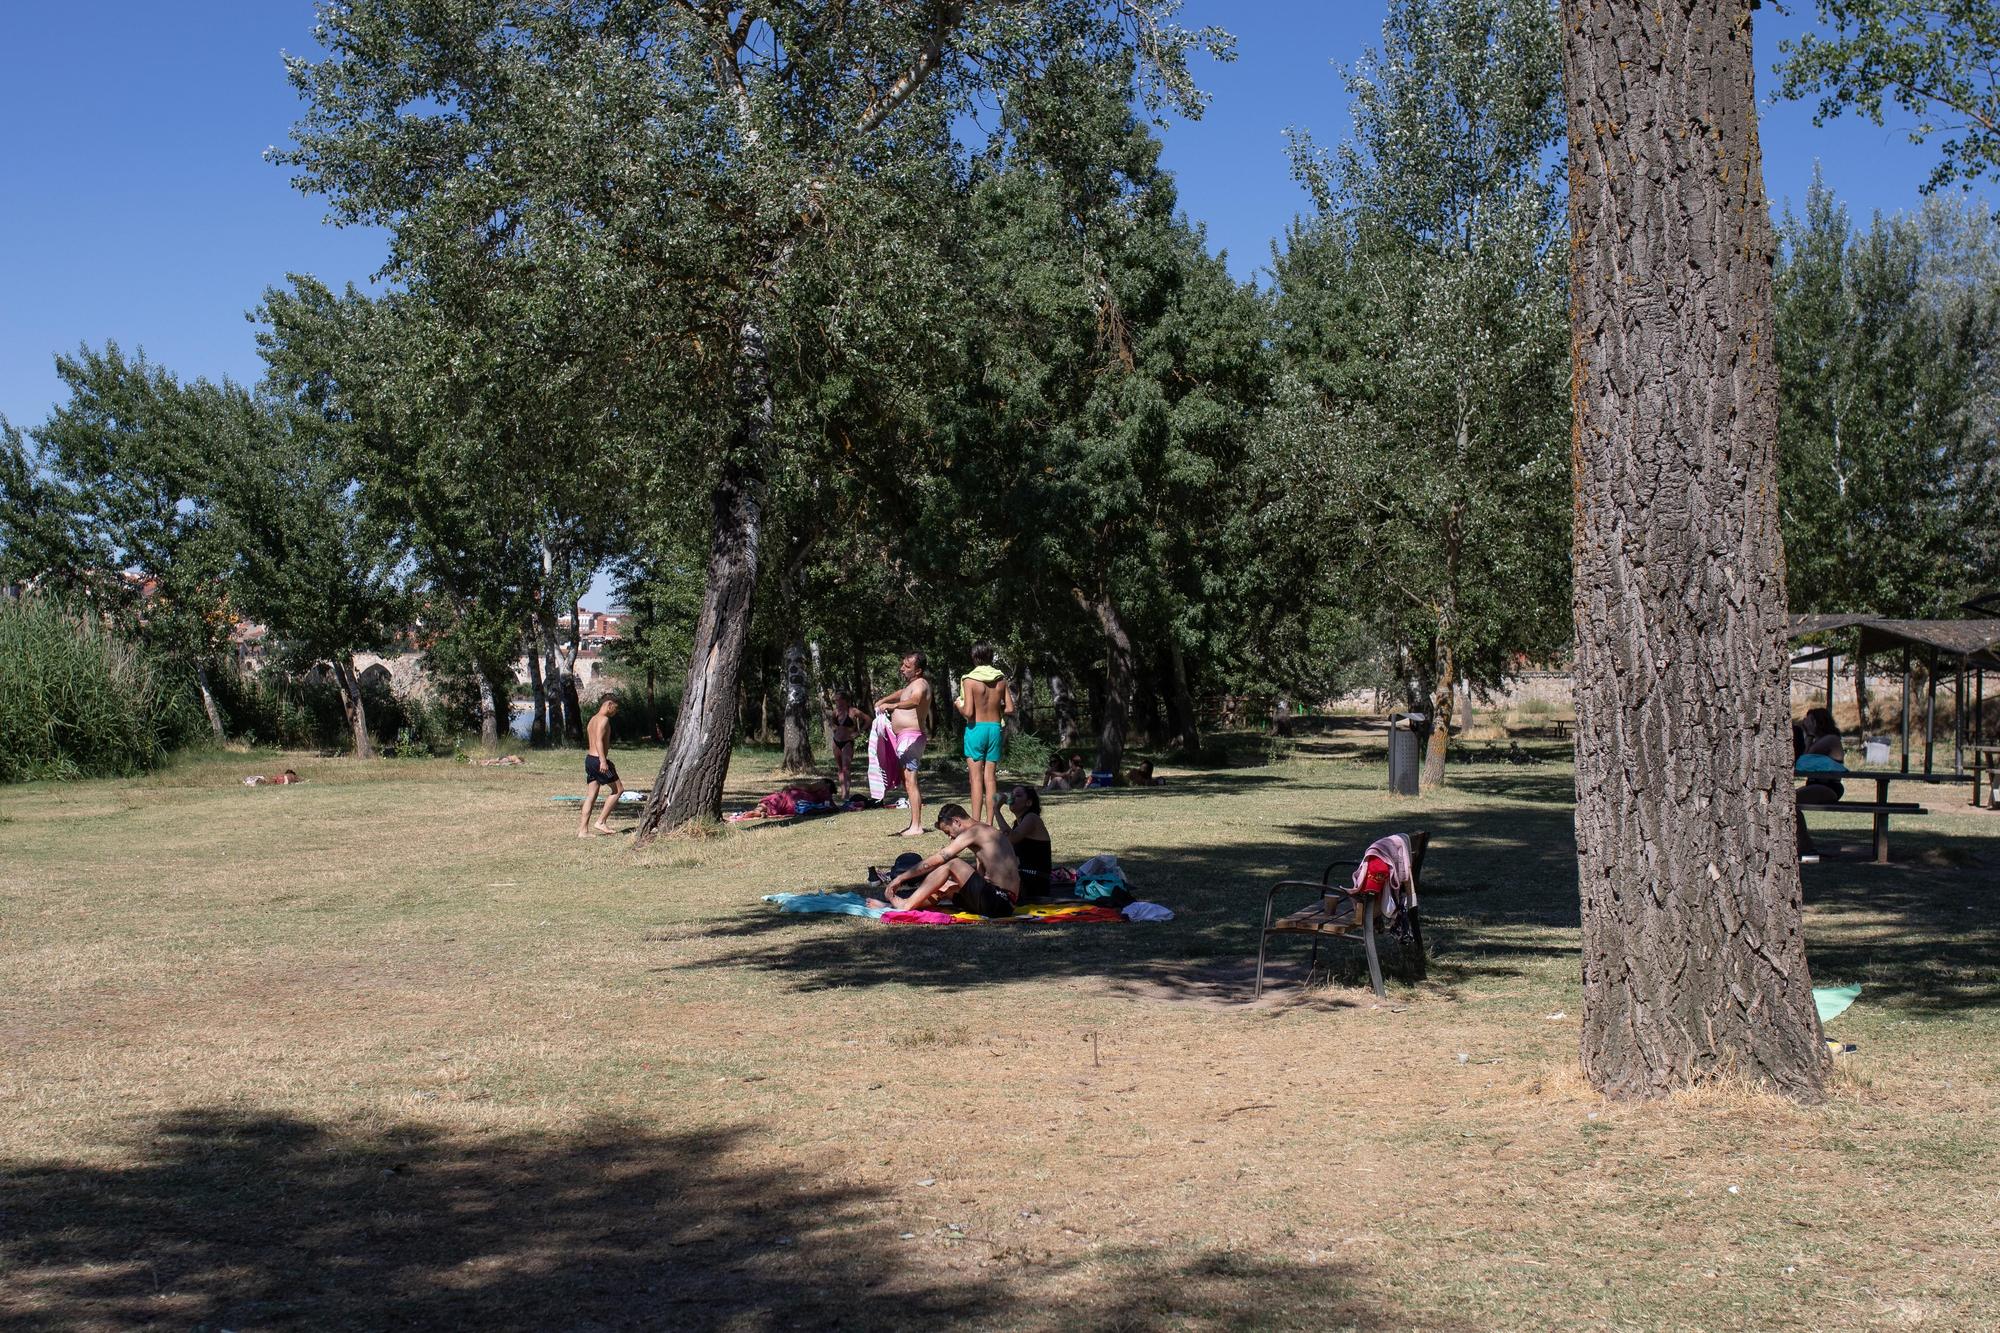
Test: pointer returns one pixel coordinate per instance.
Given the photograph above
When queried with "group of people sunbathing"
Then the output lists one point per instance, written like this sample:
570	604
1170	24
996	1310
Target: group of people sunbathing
1073	776
1012	862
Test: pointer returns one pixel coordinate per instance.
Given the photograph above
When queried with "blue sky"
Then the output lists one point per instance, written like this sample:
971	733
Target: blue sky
135	204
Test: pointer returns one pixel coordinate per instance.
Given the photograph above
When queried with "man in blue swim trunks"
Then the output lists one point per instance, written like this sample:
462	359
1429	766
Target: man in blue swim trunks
984	700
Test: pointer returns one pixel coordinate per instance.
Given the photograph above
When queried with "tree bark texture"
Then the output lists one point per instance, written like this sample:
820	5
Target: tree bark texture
1443	696
798	710
489	713
208	701
1186	737
1063	700
1114	718
552	680
689	785
349	681
572	700
538	727
1694	967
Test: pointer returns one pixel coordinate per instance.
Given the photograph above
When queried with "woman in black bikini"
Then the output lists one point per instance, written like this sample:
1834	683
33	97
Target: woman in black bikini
842	724
1030	837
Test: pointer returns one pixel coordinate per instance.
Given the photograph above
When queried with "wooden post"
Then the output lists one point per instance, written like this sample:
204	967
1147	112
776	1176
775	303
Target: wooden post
1958	720
1930	711
1829	678
1906	710
1861	692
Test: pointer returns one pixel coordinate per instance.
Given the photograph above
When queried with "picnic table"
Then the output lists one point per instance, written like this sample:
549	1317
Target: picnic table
1882	807
1986	768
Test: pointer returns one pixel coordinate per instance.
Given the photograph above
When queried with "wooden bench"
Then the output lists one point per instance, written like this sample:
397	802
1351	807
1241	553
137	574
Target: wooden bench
1342	914
1880	809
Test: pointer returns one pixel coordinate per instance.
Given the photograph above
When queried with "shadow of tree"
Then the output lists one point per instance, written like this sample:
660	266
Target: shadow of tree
226	1218
1500	898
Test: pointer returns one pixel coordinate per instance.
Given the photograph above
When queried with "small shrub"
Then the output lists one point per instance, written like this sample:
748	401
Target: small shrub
1535	707
1028	757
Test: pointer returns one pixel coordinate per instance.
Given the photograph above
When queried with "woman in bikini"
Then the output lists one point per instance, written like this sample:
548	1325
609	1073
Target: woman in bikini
842	725
1030	839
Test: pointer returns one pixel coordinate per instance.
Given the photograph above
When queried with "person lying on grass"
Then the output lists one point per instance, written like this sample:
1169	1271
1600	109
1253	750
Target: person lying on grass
990	885
283	779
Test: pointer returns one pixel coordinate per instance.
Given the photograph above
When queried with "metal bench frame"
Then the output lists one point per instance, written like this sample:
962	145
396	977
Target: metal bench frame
1341	913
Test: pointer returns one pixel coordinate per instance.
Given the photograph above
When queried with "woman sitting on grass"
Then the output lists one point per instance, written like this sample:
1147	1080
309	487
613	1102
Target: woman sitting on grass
1030	838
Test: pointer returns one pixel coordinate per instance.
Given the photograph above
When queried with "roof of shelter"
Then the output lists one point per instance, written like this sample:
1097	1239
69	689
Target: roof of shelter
1800	626
1977	641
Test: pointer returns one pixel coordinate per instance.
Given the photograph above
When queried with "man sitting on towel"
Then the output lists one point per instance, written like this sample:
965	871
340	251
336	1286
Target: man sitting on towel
990	885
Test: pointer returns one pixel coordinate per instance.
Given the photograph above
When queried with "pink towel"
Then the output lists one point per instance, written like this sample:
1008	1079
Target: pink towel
919	918
1402	892
890	752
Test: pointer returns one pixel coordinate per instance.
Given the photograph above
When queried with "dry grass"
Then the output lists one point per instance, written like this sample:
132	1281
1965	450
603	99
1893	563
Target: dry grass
394	1048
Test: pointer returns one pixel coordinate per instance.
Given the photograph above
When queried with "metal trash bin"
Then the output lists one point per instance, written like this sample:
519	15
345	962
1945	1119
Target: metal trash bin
1407	734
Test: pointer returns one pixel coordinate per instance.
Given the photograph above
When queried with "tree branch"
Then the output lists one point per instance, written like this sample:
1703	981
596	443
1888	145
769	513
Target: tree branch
950	15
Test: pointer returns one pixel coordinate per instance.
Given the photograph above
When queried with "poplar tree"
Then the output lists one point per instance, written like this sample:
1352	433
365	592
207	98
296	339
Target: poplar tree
1694	964
1417	457
677	170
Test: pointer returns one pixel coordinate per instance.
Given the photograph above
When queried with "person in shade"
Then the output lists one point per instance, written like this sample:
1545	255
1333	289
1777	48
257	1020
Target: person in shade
843	724
1818	758
1030	839
989	885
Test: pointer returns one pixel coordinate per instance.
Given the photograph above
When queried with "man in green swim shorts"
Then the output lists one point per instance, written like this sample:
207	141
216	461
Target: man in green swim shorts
984	699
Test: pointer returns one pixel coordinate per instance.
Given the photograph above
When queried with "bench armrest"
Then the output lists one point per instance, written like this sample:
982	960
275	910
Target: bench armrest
1320	889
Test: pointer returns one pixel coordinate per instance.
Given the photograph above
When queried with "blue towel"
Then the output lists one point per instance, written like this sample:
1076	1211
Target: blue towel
1818	763
846	904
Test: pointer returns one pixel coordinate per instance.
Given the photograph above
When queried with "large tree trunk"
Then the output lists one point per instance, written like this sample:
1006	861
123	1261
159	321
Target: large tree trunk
798	710
1063	699
490	705
572	701
864	694
1114	719
1150	725
538	726
351	704
1186	738
208	705
689	785
1694	964
1443	697
552	681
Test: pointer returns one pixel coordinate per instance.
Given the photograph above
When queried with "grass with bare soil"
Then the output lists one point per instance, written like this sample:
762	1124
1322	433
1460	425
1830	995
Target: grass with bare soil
395	1048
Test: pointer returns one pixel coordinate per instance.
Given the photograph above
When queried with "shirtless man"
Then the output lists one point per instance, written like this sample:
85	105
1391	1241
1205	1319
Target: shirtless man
599	771
909	711
984	698
990	885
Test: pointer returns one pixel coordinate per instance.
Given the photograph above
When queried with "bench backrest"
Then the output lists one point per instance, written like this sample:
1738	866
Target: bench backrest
1419	842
